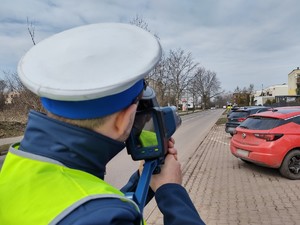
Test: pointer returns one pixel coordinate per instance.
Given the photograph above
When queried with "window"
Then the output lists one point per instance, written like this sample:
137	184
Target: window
239	114
262	123
296	120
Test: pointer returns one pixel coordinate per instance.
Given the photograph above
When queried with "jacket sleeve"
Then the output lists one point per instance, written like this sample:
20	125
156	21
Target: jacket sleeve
132	185
176	205
103	212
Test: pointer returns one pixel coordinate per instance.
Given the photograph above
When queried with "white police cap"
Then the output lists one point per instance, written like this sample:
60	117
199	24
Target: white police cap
105	61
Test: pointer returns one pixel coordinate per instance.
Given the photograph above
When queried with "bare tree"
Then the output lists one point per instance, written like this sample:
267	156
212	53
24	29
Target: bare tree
242	97
196	84
158	78
180	71
160	82
177	74
140	22
2	94
25	100
31	29
208	85
223	99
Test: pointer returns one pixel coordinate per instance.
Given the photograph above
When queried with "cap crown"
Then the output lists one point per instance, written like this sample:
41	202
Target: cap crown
89	62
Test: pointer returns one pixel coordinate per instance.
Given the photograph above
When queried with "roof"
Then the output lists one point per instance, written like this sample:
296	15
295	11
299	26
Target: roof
250	108
281	112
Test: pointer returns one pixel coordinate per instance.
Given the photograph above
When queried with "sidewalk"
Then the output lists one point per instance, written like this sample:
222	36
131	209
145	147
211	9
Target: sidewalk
11	140
226	190
5	141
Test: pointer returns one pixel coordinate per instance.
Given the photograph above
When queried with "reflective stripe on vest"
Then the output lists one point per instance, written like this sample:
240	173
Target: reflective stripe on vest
46	191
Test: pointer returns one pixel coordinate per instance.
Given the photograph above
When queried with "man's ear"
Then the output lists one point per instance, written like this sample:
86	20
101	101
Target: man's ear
125	119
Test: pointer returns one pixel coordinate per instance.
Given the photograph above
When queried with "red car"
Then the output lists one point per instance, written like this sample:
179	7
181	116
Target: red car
271	139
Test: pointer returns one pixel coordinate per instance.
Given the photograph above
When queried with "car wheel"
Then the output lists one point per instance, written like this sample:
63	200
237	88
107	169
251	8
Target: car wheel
290	166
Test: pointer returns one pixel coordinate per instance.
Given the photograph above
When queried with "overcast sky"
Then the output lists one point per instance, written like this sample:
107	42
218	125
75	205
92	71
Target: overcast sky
244	41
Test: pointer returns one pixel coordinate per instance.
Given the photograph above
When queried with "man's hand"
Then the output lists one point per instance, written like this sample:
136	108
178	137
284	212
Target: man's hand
171	149
170	170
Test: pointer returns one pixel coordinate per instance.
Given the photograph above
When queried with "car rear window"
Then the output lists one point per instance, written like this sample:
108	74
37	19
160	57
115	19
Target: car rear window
239	114
261	123
259	110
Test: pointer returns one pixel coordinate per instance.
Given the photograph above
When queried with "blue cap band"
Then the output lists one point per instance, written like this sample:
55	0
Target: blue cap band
95	108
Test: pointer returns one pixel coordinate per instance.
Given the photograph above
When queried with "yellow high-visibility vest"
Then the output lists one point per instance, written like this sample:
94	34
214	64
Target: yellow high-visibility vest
38	190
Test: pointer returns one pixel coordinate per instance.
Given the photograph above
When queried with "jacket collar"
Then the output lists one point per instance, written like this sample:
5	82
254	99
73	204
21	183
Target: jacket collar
75	147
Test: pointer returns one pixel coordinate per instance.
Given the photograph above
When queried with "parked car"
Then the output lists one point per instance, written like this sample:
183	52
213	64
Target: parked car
270	139
234	108
236	117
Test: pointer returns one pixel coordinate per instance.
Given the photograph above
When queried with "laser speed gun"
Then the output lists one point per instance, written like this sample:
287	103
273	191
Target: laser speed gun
152	128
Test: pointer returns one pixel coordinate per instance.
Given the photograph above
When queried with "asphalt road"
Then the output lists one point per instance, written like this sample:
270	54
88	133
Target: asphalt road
188	137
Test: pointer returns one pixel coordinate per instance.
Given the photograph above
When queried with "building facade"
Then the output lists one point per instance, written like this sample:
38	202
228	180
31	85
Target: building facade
294	82
267	95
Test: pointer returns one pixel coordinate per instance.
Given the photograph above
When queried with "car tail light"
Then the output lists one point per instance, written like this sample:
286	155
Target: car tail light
269	137
241	119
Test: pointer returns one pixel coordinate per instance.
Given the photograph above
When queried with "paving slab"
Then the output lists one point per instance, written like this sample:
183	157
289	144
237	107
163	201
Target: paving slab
226	190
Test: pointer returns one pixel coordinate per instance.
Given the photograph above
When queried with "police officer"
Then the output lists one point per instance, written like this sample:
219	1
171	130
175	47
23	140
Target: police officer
89	79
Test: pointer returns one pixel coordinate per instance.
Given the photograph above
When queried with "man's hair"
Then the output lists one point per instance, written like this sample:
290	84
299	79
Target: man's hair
84	123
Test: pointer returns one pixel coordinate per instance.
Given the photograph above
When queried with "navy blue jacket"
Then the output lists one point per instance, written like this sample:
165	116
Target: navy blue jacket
89	151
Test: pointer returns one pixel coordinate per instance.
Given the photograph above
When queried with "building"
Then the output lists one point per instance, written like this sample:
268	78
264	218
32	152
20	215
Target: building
187	103
294	82
287	100
268	94
274	90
